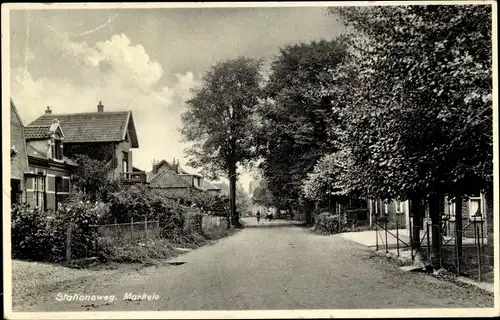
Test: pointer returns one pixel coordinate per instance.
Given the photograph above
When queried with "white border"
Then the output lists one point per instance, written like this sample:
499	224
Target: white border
259	314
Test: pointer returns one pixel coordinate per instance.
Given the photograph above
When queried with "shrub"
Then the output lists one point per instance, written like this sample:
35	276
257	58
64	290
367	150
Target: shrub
30	238
41	236
139	202
327	223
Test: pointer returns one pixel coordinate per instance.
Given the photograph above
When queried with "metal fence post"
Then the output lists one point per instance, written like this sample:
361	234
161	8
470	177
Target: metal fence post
482	234
456	250
476	233
397	236
386	245
428	240
441	237
411	239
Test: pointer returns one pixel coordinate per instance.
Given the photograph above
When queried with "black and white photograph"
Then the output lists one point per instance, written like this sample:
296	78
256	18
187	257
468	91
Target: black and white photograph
250	160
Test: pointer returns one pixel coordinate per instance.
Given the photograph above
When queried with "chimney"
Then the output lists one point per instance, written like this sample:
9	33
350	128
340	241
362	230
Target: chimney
155	168
100	107
48	111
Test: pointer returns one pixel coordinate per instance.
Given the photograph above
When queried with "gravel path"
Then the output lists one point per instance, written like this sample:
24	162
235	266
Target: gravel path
266	268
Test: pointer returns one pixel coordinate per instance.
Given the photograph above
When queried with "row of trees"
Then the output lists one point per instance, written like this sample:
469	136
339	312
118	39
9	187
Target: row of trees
399	107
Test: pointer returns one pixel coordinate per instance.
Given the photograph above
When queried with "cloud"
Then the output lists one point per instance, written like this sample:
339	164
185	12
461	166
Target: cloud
123	77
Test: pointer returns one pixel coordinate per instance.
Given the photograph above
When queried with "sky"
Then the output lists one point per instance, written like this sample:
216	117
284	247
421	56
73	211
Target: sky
143	60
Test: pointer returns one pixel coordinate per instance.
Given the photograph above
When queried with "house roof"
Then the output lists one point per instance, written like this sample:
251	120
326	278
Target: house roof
207	185
167	179
224	187
35	153
93	126
37	132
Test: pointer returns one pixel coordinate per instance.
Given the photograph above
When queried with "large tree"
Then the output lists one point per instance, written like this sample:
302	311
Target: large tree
416	102
218	121
296	117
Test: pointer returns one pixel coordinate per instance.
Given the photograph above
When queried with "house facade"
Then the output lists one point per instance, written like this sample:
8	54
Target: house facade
18	157
41	170
396	210
105	136
474	208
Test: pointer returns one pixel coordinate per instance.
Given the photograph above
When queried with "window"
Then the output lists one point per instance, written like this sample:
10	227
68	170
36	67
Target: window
452	207
399	206
39	191
57	149
475	206
125	162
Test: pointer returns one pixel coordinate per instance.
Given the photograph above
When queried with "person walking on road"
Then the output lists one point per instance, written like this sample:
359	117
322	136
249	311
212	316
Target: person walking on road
258	216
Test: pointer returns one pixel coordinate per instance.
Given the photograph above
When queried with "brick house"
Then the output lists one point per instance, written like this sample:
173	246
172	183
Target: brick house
107	136
174	182
41	171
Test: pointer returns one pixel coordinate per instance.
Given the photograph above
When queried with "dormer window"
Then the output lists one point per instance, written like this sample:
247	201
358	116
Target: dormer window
57	149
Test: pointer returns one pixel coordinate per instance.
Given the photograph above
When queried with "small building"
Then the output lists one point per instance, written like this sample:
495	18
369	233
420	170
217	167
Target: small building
175	182
172	181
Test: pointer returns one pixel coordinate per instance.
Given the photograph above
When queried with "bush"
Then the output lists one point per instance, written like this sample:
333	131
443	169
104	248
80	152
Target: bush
41	236
327	223
30	238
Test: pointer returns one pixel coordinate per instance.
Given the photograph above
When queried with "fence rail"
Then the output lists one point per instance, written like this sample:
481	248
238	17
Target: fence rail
473	257
133	230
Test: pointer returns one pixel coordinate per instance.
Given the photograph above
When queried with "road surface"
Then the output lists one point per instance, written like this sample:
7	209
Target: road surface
284	267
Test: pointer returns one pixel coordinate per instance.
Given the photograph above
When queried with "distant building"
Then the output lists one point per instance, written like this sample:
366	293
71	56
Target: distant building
173	181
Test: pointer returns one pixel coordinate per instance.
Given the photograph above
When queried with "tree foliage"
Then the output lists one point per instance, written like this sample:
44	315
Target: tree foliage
296	117
218	121
331	175
93	177
261	195
415	99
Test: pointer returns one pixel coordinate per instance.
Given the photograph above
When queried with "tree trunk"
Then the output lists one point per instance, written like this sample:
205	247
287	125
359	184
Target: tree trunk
416	213
307	211
435	215
232	198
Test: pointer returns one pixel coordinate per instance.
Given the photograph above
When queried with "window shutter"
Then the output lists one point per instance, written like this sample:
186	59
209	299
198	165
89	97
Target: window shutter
51	183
